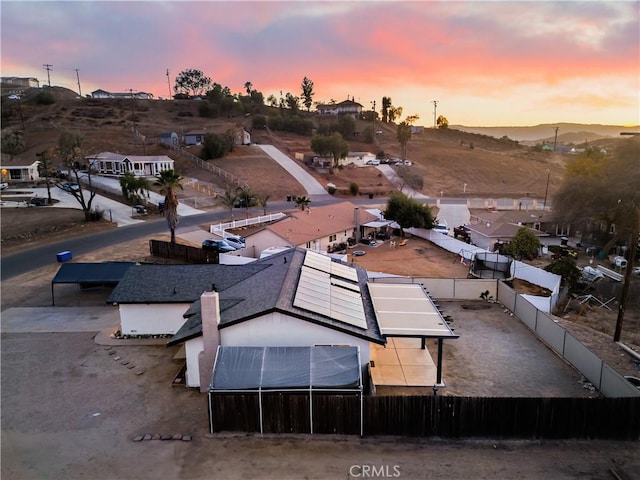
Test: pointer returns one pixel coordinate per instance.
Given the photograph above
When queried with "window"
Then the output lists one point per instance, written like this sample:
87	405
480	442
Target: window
332	238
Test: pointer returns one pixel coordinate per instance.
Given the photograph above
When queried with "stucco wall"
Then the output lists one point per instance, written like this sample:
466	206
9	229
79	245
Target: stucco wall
156	319
281	330
192	349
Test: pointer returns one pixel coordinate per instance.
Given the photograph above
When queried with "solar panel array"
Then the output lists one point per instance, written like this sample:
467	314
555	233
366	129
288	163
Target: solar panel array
321	292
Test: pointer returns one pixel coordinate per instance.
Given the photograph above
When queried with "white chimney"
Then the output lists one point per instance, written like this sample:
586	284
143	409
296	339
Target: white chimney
210	313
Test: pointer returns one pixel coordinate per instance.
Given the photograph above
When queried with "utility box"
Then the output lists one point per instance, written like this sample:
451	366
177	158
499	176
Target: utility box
64	256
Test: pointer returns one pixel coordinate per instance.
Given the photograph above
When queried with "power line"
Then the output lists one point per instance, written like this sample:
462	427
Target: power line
48	67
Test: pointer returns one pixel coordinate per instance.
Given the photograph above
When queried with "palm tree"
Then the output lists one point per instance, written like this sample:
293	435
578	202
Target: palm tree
229	199
262	201
303	202
169	183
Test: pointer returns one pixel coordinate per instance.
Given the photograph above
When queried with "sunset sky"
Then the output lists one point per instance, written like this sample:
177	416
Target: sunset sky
486	63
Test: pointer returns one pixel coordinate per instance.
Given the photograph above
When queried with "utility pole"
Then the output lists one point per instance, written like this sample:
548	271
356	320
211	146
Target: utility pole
555	140
78	77
435	107
546	190
133	110
374	118
169	84
627	277
48	67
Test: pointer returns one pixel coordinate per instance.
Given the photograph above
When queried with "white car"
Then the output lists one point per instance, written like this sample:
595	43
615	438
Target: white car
374	161
4	185
236	241
441	227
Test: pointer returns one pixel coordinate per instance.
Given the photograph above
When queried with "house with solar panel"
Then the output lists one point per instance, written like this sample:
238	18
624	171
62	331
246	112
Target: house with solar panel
295	298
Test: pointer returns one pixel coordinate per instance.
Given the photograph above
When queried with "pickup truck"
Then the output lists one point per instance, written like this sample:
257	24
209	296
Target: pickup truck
462	233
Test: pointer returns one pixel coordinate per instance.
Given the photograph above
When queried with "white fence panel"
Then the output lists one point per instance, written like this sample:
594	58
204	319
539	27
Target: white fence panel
506	296
525	311
551	333
614	385
472	289
438	287
537	276
589	364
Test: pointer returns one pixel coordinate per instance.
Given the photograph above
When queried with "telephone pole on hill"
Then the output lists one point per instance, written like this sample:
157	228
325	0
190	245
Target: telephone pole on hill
555	140
169	84
78	77
48	67
435	107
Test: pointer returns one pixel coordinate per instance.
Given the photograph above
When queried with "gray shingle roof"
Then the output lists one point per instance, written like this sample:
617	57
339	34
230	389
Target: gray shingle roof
270	288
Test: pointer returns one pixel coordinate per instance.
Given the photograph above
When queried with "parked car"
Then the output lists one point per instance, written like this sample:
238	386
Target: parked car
38	201
374	161
70	187
4	185
220	245
242	203
441	227
236	241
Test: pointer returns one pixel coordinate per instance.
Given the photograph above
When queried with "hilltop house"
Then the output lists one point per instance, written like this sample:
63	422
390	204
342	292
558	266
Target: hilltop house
196	137
138	95
108	163
21	81
346	107
169	138
487	235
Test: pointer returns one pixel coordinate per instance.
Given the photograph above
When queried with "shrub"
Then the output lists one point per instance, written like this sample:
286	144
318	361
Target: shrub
354	188
45	98
331	190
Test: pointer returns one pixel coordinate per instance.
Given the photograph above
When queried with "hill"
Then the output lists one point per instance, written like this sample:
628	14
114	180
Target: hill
575	132
450	162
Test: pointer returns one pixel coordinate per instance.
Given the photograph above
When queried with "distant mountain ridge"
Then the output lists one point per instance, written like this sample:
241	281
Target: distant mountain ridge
567	132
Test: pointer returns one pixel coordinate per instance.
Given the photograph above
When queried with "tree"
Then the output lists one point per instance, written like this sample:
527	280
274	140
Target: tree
442	122
292	102
333	145
70	149
45	170
567	269
229	198
303	202
262	201
214	146
134	189
272	100
246	198
524	244
408	212
248	86
393	113
403	134
386	105
192	82
307	93
169	182
12	143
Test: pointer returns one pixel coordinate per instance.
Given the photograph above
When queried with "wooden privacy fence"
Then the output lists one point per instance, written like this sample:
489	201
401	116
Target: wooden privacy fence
428	416
185	253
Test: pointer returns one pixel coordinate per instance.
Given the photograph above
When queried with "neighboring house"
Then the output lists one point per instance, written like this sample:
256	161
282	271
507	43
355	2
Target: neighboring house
169	138
359	159
243	137
486	235
108	163
417	129
194	137
18	169
138	95
21	81
536	219
314	228
346	107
